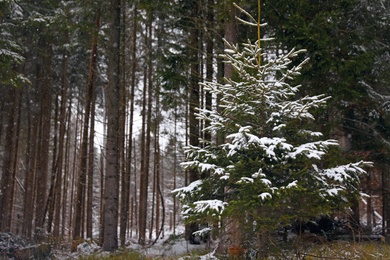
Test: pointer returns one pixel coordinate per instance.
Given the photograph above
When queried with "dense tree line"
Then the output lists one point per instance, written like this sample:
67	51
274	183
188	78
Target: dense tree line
98	99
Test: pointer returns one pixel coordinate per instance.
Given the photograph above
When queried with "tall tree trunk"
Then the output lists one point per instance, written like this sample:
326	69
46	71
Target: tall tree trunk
102	162
67	175
29	182
230	35
91	167
193	101
154	193
102	177
144	178
44	139
232	227
9	169
15	160
175	173
61	148
159	198
209	58
148	126
112	154
126	185
74	171
91	147
85	143
124	200
49	207
7	174
135	192
143	185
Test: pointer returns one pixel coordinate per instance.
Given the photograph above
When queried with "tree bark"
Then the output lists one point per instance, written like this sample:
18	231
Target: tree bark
230	35
74	172
193	102
49	208
131	119
124	199
112	154
9	169
145	142
143	172
91	147
44	138
61	149
29	183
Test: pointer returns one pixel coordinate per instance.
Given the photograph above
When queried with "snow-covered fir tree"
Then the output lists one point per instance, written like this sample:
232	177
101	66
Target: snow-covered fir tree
272	169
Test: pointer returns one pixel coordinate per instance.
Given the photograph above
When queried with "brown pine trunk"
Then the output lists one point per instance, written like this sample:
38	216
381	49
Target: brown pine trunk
91	168
29	183
193	103
91	147
131	119
10	156
230	35
232	226
144	178
102	177
159	198
20	151
111	194
174	175
124	201
153	191
67	168
135	192
44	140
15	154
49	208
209	58
74	173
86	146
143	185
82	177
61	149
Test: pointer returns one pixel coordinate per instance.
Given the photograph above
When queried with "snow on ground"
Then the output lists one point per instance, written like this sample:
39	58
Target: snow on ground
171	246
174	245
174	248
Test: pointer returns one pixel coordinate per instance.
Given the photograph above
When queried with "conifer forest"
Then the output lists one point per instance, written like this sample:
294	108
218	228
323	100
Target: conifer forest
128	122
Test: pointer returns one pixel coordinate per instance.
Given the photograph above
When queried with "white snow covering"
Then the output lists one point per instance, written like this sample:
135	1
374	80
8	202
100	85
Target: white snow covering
181	192
265	196
314	150
86	248
243	140
266	182
292	184
217	206
334	191
345	172
245	180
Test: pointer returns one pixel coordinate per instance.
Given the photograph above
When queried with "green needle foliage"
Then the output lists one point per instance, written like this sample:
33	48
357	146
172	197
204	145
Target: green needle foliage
271	170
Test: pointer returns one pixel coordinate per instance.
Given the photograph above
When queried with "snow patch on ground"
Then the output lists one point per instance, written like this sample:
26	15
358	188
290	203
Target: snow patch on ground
175	248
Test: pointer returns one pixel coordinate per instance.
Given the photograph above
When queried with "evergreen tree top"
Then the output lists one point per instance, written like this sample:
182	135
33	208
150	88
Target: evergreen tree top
269	158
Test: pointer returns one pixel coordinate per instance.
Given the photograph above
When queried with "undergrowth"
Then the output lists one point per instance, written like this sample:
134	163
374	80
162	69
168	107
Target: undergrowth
120	254
331	250
348	250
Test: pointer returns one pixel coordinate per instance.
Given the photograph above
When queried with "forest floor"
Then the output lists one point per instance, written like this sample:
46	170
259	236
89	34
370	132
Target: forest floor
176	248
172	247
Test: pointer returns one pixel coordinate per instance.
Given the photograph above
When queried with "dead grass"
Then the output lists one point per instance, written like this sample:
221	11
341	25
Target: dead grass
325	251
349	250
